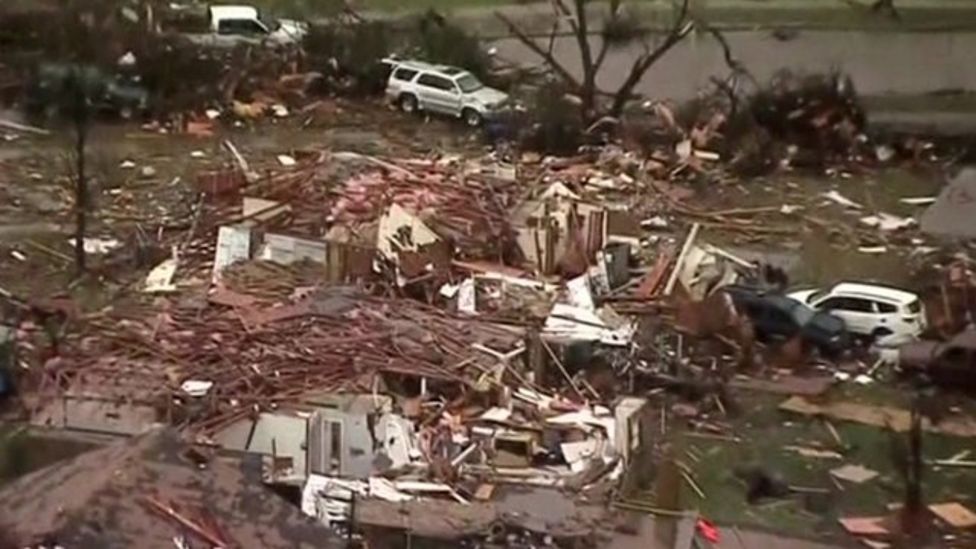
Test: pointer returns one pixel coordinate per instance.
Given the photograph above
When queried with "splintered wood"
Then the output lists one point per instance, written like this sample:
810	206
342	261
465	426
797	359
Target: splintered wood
469	209
260	354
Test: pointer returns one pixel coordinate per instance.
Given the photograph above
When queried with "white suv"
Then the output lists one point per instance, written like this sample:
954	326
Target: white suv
442	89
870	310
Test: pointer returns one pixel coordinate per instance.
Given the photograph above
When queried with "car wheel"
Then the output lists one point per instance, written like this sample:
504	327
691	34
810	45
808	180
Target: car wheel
471	117
878	333
408	104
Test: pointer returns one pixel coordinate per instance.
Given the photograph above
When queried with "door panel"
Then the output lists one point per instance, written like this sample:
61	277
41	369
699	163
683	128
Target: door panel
438	94
857	313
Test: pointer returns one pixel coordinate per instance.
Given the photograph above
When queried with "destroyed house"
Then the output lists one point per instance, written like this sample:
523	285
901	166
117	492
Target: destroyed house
154	491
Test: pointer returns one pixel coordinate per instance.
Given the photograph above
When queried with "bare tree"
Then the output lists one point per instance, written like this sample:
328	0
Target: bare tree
81	119
76	88
908	459
617	29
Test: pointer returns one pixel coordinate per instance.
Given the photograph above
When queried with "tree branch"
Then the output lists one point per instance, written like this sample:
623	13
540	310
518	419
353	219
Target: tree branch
563	11
643	63
552	36
605	46
546	56
602	55
581	31
679	30
734	65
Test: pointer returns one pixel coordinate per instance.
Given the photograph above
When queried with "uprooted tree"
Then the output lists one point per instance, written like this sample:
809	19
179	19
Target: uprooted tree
617	30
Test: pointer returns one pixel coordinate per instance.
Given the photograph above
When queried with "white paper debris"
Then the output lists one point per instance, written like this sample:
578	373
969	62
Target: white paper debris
918	200
656	222
884	153
98	246
160	279
838	198
888	222
578	293
579	454
286	160
127	60
466	297
196	388
710	156
496	414
449	290
873	250
863	379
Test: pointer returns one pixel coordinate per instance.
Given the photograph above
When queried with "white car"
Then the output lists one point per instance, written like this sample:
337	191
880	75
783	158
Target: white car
416	86
230	26
870	310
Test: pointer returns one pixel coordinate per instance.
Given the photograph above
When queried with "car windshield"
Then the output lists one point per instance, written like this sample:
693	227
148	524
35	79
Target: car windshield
468	83
269	23
801	314
816	296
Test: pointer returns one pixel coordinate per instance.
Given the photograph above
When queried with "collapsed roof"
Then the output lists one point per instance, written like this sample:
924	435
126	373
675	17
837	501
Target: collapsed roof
149	491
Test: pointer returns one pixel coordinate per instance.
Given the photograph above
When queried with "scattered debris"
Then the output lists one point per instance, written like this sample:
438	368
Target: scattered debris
857	474
878	416
838	198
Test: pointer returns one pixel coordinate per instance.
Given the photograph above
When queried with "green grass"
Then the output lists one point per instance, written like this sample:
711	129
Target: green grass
765	431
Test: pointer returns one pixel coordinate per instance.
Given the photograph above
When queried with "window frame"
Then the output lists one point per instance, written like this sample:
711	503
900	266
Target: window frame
413	74
257	28
451	86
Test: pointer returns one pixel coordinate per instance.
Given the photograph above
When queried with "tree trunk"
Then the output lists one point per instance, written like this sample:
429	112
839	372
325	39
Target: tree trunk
582	31
81	197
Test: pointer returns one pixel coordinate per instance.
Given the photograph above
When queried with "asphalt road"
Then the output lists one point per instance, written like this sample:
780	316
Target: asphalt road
880	62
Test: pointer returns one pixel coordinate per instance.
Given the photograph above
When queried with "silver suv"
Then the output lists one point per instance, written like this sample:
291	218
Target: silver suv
416	86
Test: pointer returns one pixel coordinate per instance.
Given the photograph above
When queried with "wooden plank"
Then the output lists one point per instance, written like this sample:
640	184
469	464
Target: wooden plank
786	385
864	526
879	416
484	492
955	514
650	284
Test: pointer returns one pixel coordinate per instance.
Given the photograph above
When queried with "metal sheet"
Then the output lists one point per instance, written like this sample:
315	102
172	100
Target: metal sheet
289	249
233	244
